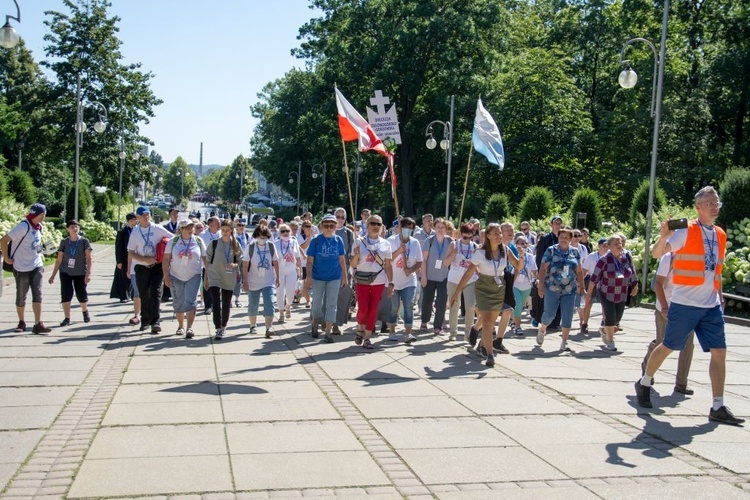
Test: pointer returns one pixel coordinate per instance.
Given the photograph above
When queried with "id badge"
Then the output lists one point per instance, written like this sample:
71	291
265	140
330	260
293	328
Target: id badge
229	269
71	263
262	272
619	275
184	260
498	281
566	270
438	264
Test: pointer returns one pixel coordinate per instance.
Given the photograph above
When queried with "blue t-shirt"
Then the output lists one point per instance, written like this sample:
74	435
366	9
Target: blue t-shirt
563	269
326	253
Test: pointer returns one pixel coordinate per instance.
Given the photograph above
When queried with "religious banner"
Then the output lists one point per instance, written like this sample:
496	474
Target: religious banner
384	123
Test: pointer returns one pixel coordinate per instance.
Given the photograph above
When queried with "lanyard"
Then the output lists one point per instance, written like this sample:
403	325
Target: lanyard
711	256
187	245
288	247
618	265
227	250
242	237
146	237
496	263
262	256
468	250
73	247
440	247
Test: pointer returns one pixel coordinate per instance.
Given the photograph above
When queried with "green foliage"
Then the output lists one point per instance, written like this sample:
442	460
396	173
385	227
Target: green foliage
103	209
3	184
22	187
734	191
586	200
537	203
95	230
229	188
497	208
639	205
85	203
179	180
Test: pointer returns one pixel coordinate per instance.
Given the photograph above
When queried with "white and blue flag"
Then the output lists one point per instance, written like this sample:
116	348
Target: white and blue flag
486	137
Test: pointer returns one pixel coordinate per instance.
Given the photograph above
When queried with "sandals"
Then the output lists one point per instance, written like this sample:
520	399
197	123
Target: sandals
189	334
180	331
134	321
367	344
359	338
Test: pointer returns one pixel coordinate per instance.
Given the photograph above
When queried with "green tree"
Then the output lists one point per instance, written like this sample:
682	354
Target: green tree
22	187
498	208
537	202
734	191
85	203
586	200
639	205
240	169
179	180
211	182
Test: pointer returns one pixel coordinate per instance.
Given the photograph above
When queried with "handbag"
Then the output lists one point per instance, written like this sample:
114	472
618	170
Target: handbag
363	278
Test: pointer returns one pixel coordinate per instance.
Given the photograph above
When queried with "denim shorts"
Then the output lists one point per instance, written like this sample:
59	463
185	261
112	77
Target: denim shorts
136	293
708	324
253	302
185	293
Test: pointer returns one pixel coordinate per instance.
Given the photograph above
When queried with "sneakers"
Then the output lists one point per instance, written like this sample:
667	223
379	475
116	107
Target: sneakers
288	312
65	322
682	389
155	329
40	328
517	331
180	331
207	310
724	416
564	346
452	336
411	338
540	337
473	335
328	338
585	328
253	330
189	334
497	345
219	334
534	323
237	303
393	337
335	330
490	361
611	346
21	327
86	317
269	333
281	318
143	327
643	395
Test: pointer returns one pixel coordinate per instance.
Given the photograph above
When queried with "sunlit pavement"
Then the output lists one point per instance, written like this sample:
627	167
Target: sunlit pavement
103	410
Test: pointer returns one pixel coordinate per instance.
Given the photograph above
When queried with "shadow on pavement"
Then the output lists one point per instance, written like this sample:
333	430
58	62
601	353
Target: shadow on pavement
210	387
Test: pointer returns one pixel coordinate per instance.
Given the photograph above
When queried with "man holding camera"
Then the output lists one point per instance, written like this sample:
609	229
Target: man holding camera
697	301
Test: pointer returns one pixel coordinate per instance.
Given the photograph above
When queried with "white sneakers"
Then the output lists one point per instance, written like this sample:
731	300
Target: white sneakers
540	337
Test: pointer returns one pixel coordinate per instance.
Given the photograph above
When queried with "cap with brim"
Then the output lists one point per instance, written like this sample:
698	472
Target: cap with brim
173	210
142	210
554	218
71	222
329	218
241	221
185	223
37	209
130	216
272	223
602	241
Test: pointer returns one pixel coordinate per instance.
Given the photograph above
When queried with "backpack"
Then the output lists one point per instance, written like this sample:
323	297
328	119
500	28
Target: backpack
177	238
9	267
161	247
251	250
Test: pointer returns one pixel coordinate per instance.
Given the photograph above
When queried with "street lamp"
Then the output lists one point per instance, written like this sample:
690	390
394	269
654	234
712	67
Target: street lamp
122	157
80	127
182	185
291	181
446	144
8	36
627	79
19	147
315	176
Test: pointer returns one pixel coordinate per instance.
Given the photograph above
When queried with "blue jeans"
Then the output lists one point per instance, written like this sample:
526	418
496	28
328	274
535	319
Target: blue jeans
185	293
253	301
405	297
325	292
551	301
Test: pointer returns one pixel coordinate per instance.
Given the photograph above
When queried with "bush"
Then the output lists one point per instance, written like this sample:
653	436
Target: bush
85	204
103	210
640	200
97	231
734	191
537	203
586	200
3	184
22	187
497	208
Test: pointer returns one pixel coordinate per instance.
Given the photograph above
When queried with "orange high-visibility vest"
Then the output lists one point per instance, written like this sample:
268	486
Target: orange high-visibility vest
690	261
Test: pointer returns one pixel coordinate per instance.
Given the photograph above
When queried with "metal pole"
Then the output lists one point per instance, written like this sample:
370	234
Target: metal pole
20	155
299	173
122	165
182	185
450	151
655	145
324	187
356	190
78	143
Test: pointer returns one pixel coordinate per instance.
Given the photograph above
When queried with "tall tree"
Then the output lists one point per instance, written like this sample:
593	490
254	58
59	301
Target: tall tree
179	180
239	170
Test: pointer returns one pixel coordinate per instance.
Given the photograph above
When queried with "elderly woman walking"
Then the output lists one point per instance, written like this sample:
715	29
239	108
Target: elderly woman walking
74	263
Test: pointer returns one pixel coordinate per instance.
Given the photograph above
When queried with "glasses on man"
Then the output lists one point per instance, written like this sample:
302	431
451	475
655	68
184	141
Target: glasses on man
712	204
284	231
240	225
329	225
376	223
520	244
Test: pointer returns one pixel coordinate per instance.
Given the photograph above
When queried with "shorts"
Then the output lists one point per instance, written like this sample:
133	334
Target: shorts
136	293
185	294
69	283
26	280
708	324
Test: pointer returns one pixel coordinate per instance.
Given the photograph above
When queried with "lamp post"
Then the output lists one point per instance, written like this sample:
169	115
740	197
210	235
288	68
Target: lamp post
80	127
19	147
627	79
122	157
182	184
315	176
241	177
446	144
297	173
8	36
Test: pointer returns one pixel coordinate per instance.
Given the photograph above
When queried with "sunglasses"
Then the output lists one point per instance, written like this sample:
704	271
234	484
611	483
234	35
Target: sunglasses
283	231
306	227
240	225
329	225
376	223
340	217
576	236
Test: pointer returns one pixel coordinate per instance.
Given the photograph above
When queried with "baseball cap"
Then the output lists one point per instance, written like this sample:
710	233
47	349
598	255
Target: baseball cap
142	210
71	222
329	218
554	218
130	216
173	210
185	223
272	223
602	241
242	220
395	223
473	220
37	209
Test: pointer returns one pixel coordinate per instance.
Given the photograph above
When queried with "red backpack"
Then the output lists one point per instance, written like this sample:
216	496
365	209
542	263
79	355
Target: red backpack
161	247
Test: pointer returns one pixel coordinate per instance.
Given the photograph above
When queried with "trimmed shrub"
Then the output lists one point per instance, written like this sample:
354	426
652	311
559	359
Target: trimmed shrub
640	201
97	231
586	200
3	184
85	203
537	203
22	187
497	208
734	190
102	208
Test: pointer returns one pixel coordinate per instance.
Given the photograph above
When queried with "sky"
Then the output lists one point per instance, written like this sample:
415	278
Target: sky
210	59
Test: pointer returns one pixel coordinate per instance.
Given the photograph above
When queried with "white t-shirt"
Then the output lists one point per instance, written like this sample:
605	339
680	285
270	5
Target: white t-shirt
705	295
487	266
412	254
288	252
186	262
590	261
523	280
368	249
207	236
583	251
665	269
260	274
143	241
462	261
26	254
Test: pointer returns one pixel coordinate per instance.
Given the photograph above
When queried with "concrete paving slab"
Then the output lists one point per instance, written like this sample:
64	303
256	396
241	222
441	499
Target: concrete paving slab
484	386
17	445
626	404
271	410
294	437
151	476
559	493
48	364
182	412
392	370
670	491
478	465
411	407
169	375
251	368
37	378
7	471
166	393
94	349
386	388
176	362
158	441
28	417
521	401
297	389
35	396
541	430
306	470
428	433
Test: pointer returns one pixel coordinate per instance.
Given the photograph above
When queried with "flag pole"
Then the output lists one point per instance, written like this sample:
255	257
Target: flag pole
395	193
466	182
348	183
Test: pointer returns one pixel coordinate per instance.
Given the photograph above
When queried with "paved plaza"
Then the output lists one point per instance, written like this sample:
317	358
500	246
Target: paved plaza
103	410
